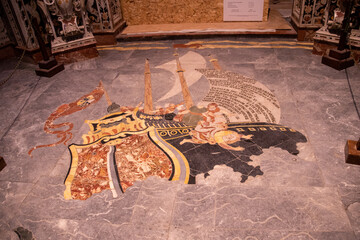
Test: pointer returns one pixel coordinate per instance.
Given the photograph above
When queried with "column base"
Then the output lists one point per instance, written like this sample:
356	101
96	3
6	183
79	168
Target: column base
336	63
303	34
49	68
7	51
2	163
77	55
352	154
324	48
109	37
75	51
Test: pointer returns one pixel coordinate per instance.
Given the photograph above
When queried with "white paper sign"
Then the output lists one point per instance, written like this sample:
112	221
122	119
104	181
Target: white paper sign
243	10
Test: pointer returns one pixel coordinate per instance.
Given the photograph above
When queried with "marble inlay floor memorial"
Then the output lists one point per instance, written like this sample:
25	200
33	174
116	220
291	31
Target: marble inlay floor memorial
236	138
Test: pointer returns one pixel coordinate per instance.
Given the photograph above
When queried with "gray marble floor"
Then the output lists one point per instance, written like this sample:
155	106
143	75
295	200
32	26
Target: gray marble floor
313	195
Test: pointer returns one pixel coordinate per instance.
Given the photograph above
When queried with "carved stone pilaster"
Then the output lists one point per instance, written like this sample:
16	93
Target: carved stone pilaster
307	16
18	15
107	20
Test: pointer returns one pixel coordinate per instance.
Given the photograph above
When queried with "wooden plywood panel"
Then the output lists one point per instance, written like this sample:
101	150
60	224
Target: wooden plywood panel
276	22
139	12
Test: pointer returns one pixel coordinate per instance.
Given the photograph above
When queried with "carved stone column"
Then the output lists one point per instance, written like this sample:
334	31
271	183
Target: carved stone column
106	20
68	25
306	17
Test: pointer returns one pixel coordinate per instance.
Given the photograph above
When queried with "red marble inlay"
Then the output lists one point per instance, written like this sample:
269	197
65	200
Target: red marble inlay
137	158
91	174
67	109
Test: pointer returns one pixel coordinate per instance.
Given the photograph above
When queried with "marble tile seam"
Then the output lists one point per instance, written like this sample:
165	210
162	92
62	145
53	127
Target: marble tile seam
260	234
219	228
21	109
198	201
64	228
279	189
12	181
136	204
346	185
333	208
17	211
218	233
304	128
289	229
328	94
254	229
330	183
171	216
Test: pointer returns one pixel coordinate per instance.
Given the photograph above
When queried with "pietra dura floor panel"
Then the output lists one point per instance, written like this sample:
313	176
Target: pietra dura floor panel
231	138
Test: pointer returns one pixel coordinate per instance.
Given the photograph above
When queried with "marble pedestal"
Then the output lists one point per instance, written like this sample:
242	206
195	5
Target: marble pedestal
109	37
75	51
352	152
2	163
7	51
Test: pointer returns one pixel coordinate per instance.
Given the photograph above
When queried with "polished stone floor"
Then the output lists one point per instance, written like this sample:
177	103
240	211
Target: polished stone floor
310	195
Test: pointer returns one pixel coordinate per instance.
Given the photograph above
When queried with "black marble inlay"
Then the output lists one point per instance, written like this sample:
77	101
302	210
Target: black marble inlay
204	157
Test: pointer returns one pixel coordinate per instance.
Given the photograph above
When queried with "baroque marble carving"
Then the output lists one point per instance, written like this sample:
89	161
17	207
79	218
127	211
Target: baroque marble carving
69	24
333	17
308	13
